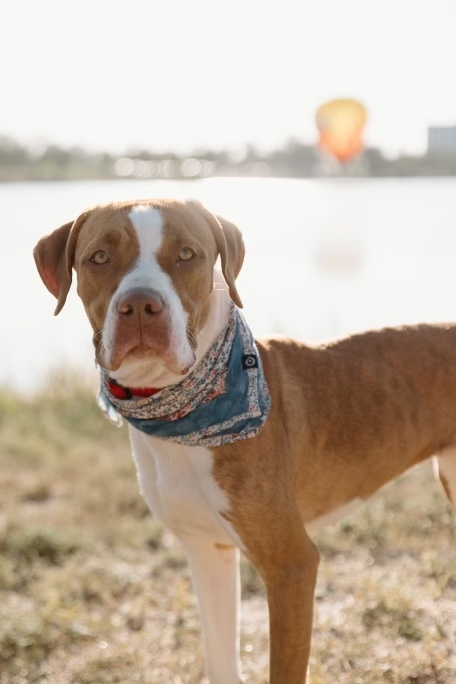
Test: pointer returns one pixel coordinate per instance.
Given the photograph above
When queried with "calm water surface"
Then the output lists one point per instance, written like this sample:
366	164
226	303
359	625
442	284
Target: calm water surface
324	258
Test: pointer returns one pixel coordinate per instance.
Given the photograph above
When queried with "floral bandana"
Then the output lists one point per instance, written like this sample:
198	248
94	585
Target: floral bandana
224	399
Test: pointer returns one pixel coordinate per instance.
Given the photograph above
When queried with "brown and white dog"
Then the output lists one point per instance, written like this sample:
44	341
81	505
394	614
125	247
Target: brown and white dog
346	418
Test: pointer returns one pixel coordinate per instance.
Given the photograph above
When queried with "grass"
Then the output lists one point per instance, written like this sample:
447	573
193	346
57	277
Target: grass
94	591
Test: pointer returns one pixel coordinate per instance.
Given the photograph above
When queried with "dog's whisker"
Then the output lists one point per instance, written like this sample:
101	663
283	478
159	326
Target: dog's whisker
191	336
99	347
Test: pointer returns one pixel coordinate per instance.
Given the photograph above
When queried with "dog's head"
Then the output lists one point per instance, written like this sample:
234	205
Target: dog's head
145	273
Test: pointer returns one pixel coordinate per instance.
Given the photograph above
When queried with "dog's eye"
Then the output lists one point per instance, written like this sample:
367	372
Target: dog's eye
186	254
101	257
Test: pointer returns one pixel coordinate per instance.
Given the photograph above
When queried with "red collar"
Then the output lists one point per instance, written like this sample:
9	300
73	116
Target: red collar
121	392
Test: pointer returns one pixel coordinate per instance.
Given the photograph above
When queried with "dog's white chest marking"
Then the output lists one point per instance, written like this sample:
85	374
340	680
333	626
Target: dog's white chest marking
178	486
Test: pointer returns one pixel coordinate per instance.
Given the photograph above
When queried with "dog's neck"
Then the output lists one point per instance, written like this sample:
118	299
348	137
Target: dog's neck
153	372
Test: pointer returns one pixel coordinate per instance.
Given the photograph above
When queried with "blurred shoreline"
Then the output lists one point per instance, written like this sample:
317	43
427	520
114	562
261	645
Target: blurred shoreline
294	159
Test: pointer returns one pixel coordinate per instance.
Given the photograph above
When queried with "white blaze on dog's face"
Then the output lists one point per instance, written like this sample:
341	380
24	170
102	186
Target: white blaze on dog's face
145	316
145	276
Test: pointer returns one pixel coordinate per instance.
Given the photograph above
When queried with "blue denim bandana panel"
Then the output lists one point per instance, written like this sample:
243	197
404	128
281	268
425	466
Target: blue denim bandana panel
223	400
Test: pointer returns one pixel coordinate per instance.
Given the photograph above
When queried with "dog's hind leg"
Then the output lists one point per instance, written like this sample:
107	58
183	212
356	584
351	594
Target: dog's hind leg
215	574
445	463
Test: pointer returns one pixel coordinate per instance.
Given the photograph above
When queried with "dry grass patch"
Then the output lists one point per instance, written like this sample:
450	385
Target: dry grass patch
93	591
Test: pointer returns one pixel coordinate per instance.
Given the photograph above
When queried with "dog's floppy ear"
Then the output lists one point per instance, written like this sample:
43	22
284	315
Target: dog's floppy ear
235	245
230	245
231	248
54	258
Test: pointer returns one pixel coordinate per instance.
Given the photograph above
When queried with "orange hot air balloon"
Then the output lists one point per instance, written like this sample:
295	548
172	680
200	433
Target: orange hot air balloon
341	125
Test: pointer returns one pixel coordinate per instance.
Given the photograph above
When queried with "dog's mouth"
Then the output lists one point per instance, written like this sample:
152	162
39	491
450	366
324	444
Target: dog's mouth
169	359
178	359
142	351
155	340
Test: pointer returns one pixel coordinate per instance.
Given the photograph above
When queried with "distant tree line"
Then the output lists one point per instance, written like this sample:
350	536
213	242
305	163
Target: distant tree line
294	160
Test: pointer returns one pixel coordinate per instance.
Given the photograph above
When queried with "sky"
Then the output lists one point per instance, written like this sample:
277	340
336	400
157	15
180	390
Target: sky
185	75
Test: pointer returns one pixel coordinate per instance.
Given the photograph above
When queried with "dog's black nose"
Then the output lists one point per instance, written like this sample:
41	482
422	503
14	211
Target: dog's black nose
140	302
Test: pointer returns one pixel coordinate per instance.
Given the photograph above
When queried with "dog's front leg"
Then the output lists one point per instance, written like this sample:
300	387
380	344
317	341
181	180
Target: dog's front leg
290	574
215	573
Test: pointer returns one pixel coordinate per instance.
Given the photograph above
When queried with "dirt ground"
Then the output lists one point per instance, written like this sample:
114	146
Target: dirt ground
93	591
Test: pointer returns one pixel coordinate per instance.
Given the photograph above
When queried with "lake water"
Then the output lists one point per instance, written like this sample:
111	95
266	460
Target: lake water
324	258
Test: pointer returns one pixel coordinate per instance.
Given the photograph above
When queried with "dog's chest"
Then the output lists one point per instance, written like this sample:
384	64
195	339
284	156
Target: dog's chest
180	489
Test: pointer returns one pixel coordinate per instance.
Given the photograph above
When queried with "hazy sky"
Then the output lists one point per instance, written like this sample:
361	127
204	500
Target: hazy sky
183	74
